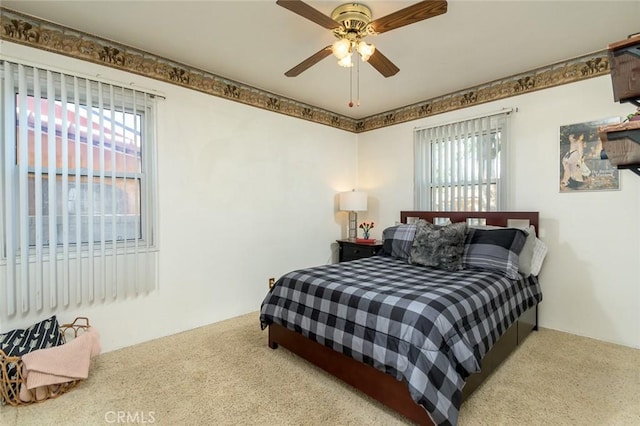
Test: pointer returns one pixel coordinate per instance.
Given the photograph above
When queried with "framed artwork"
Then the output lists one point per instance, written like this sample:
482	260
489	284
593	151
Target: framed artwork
583	163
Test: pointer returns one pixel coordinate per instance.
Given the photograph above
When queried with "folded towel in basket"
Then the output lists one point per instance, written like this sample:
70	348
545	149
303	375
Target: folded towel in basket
60	364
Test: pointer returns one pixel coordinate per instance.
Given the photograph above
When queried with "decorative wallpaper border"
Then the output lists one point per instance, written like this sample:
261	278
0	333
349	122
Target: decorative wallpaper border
34	32
582	68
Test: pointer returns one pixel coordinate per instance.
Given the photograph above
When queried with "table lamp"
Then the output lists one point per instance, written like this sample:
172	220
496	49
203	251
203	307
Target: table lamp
353	202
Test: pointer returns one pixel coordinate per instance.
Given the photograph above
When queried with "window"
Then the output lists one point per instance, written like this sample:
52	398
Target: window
78	182
461	166
107	191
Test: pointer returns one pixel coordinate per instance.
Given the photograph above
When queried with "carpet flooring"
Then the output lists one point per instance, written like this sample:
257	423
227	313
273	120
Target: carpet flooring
224	374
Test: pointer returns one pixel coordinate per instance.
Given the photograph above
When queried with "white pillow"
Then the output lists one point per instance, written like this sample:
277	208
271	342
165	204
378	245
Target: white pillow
539	253
526	255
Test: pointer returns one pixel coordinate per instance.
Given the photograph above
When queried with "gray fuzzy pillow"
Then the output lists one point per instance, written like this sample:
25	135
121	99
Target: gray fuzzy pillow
439	246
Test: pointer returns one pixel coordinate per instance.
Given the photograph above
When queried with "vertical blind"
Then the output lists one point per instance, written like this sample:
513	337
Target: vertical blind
78	188
461	166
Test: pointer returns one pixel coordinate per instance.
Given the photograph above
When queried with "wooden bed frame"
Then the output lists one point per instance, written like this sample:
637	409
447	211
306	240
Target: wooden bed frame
384	387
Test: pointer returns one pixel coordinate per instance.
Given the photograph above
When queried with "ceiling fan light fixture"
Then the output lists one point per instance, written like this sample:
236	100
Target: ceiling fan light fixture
365	50
346	62
341	48
350	23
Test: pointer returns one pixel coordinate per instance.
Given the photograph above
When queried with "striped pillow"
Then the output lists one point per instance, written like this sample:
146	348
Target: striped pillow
539	253
494	249
397	241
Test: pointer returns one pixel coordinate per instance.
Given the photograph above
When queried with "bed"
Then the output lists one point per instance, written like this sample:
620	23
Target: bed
426	351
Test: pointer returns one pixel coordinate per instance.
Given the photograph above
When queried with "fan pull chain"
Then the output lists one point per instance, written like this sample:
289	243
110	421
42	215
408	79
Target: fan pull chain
350	87
358	82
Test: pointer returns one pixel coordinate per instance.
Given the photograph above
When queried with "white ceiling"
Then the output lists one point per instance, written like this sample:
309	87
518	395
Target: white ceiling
255	42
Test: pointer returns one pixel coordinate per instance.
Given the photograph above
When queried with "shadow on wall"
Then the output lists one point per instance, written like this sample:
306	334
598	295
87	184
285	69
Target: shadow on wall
569	301
335	253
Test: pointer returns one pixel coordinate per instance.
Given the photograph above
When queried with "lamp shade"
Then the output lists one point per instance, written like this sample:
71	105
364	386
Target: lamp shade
341	48
366	50
354	201
345	62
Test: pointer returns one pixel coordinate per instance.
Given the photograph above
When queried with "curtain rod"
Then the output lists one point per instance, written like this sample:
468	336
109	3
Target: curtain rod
93	77
491	114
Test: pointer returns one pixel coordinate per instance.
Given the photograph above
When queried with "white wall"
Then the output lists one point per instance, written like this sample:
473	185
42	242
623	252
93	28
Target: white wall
245	194
591	277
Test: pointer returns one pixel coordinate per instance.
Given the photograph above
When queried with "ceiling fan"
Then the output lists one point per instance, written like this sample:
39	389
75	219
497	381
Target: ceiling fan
351	23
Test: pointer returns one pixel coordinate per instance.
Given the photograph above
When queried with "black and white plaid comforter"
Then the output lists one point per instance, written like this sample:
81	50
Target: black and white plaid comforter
427	327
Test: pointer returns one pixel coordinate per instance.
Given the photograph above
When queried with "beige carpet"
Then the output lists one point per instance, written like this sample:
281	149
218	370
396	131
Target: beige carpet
224	374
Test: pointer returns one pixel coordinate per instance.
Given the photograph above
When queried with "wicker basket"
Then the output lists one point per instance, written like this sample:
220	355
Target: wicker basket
10	388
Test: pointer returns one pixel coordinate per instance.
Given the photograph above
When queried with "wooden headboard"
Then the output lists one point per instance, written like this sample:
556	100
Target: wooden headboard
491	218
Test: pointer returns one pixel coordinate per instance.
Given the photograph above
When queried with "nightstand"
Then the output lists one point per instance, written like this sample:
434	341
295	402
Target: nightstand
351	250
